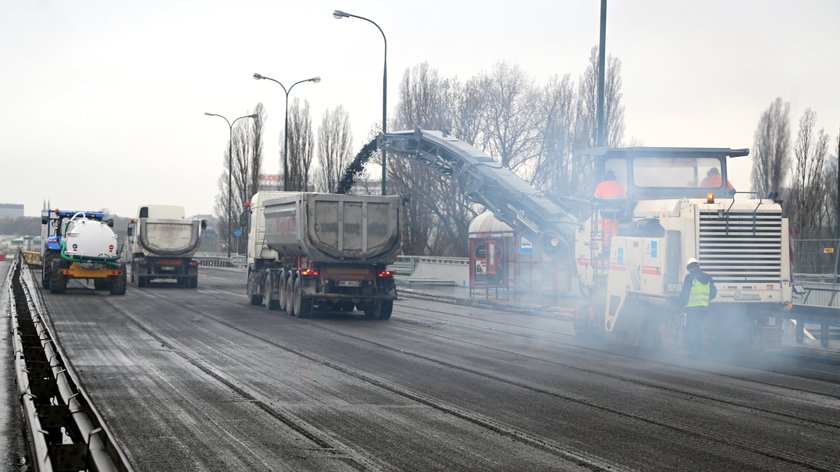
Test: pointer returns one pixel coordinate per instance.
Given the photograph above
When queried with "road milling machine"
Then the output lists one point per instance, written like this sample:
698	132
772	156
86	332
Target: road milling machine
671	212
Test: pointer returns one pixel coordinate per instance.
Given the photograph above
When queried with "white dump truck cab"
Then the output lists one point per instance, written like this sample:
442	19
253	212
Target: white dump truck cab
678	205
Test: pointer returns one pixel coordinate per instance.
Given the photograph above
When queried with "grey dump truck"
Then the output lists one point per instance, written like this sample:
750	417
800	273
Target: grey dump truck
162	242
316	251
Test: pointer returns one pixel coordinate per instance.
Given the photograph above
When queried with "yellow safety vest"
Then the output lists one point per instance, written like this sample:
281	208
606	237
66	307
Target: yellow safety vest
699	294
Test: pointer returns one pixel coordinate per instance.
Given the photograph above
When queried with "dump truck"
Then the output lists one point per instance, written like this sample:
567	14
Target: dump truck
80	245
161	244
315	251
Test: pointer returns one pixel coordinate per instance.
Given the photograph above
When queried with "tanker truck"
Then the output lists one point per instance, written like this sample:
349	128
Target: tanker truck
309	251
161	245
80	245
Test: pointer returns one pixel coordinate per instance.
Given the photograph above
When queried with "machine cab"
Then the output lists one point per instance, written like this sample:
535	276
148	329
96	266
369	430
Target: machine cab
662	172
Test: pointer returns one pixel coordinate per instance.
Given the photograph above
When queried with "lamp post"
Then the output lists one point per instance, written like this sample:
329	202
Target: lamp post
230	169
286	126
600	133
338	14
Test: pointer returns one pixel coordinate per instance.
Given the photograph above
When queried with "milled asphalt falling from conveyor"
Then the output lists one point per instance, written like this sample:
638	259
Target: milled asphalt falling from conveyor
356	167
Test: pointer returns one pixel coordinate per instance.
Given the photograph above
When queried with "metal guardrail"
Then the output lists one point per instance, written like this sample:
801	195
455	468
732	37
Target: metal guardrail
64	431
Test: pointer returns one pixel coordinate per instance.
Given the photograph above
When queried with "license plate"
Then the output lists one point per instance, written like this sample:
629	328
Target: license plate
349	283
167	268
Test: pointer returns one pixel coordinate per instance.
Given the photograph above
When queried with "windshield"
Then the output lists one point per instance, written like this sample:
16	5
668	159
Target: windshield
658	172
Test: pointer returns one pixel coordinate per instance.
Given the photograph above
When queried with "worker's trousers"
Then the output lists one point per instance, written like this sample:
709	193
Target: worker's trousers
695	327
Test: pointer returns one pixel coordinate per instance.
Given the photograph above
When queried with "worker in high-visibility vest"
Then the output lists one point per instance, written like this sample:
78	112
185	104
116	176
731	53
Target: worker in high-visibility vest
698	290
609	196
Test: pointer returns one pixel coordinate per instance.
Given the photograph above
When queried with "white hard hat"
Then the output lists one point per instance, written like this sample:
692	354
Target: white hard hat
690	261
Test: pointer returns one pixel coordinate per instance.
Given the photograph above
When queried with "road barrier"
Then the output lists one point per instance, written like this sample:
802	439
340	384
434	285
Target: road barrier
64	430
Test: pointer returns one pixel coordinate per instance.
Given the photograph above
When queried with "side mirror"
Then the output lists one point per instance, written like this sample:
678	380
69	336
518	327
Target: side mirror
203	225
110	222
44	220
130	230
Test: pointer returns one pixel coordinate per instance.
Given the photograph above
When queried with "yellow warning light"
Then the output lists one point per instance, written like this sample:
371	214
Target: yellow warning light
710	197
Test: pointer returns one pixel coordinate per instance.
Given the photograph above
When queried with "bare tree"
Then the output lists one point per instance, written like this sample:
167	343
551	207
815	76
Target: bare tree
467	116
510	117
771	148
246	162
831	180
334	148
552	166
301	146
806	198
586	126
257	129
437	215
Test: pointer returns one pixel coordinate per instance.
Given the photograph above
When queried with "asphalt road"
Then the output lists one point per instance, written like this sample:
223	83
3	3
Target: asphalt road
200	380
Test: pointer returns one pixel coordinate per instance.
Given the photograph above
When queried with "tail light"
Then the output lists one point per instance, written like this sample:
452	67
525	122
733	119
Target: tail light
386	274
309	272
193	263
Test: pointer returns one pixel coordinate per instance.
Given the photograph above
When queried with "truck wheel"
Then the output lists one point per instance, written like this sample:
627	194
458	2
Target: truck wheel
256	299
281	295
118	282
270	303
290	306
45	269
379	309
303	305
193	282
141	281
58	282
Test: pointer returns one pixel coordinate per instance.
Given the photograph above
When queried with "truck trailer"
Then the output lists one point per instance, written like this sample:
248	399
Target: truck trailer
310	251
161	245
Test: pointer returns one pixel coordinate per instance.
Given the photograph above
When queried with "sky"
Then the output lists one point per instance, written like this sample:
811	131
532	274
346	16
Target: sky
102	102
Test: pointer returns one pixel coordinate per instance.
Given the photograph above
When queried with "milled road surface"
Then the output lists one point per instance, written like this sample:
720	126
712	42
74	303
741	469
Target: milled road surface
200	380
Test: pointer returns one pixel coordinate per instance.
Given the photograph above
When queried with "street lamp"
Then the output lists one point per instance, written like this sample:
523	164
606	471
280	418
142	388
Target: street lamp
338	14
230	169
286	126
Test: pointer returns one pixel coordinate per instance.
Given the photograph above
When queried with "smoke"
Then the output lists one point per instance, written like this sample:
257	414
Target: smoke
356	167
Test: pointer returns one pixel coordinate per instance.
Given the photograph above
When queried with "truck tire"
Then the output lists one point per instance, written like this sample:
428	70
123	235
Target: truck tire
118	282
303	305
289	306
45	269
58	282
256	299
141	281
193	282
379	309
281	292
270	304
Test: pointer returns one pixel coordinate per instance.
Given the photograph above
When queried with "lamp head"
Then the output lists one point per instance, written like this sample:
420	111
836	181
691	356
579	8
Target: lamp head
258	76
209	114
254	116
315	79
338	14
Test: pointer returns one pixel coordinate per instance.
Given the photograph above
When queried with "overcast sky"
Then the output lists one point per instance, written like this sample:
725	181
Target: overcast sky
102	101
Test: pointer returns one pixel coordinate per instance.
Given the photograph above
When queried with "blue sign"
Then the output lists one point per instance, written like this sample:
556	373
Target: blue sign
654	249
525	246
237	232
